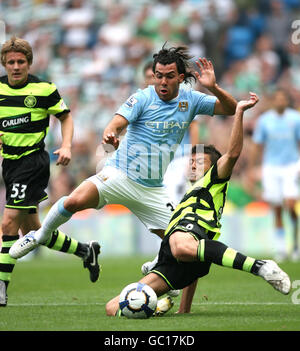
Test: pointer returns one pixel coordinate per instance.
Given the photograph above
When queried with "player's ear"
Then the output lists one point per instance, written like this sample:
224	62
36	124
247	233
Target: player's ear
181	77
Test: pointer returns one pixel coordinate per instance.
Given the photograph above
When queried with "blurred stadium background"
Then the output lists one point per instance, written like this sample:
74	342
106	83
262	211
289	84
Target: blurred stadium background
95	52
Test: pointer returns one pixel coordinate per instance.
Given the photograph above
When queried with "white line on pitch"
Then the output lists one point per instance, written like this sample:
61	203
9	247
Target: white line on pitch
195	304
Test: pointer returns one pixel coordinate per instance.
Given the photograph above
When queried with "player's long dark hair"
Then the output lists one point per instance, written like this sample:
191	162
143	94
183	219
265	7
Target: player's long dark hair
180	56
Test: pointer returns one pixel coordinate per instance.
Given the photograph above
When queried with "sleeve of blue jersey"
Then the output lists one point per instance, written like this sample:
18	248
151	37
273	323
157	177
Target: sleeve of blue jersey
205	104
132	107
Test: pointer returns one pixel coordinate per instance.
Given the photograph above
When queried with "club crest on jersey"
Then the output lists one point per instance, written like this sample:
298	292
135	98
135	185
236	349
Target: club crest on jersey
30	101
183	106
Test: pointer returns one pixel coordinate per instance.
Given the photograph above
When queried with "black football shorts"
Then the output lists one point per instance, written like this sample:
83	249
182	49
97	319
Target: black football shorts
181	274
26	179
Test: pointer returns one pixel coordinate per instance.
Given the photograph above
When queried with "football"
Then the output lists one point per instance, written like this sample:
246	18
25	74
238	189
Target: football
138	300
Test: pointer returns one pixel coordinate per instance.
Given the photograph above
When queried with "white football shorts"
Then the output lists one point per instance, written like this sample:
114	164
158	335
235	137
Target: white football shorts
280	183
150	204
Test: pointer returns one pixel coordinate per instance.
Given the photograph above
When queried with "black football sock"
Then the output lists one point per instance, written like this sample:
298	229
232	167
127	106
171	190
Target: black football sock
220	254
63	243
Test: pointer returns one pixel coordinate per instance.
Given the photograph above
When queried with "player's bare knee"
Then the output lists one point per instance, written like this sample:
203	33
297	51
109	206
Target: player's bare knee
73	204
179	249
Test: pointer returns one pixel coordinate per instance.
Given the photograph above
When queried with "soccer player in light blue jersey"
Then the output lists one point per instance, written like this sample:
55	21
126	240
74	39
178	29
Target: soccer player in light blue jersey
176	186
156	119
276	137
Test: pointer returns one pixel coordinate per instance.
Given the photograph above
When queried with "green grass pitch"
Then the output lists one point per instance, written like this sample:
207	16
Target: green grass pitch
53	293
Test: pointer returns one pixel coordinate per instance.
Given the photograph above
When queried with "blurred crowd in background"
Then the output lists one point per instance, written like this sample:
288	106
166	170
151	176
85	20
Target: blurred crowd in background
95	51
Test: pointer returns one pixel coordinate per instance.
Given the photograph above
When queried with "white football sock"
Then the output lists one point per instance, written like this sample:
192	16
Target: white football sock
56	216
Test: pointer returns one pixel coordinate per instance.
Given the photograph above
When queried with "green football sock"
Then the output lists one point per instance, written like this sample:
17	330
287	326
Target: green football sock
63	243
220	254
7	263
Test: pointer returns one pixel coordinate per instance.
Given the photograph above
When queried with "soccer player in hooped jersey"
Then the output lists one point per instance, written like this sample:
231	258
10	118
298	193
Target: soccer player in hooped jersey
156	119
26	102
191	243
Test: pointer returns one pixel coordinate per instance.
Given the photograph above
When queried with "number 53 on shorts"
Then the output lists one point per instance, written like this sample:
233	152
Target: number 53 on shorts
18	192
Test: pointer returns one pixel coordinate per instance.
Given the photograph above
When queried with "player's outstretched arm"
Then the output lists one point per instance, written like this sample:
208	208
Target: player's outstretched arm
226	103
113	130
228	160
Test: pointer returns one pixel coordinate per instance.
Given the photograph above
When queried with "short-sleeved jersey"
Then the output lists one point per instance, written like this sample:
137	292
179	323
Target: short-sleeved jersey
203	203
24	115
280	135
155	130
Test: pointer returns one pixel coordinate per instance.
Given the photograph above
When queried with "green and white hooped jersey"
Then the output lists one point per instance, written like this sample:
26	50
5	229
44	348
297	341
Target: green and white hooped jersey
24	115
203	203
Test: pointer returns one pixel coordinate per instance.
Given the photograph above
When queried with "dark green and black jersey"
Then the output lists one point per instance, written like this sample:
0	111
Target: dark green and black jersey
203	203
24	115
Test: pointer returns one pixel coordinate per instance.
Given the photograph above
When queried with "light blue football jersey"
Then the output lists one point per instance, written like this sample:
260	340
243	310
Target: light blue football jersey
280	135
155	130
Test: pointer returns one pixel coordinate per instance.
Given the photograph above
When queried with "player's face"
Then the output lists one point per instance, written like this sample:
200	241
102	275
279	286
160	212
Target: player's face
280	101
16	67
167	81
199	164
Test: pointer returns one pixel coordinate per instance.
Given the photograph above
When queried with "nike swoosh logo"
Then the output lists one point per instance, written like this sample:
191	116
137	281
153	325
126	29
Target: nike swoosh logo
94	257
3	99
17	201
